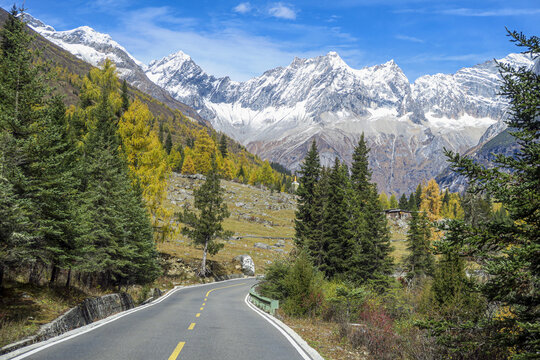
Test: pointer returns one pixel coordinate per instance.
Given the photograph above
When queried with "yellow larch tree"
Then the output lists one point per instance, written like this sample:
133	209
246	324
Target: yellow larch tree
431	200
202	153
147	161
188	167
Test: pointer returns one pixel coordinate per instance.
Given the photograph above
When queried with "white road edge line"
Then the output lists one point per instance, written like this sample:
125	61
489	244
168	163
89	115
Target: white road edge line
77	332
299	344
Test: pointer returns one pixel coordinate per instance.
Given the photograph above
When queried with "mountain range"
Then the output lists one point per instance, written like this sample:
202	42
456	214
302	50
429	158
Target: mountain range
278	114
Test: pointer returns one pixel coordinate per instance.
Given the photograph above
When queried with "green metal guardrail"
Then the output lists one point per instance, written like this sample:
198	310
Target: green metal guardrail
263	303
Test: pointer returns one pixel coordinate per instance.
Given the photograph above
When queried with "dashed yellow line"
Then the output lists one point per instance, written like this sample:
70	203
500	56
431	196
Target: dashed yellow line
203	304
202	309
191	326
224	287
198	314
177	350
205	299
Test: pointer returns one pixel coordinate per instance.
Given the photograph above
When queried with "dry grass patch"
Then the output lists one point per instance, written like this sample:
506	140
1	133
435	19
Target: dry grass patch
324	337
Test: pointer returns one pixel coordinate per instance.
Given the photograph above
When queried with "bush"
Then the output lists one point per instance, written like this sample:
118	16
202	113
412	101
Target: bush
297	284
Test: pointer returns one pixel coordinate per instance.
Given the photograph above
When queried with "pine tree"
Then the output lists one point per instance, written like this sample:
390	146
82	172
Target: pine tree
420	261
125	96
411	205
53	188
418	196
223	145
304	224
317	243
403	202
168	143
22	105
114	226
337	232
205	227
371	254
510	251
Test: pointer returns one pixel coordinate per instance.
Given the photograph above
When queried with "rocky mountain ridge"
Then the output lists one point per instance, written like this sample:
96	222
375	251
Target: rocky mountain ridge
278	114
94	47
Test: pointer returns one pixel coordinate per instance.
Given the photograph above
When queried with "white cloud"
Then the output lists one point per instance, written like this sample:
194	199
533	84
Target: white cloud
409	38
471	12
243	8
497	12
281	11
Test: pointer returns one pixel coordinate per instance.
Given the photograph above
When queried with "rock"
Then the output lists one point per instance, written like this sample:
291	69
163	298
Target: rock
279	250
262	246
246	263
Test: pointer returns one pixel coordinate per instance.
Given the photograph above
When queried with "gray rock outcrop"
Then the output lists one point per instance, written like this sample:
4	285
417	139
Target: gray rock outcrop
246	263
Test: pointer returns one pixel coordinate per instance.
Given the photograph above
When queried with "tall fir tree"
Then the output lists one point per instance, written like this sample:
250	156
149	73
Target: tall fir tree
114	224
23	111
403	202
168	143
206	227
317	244
125	96
53	187
371	258
510	251
420	260
304	223
337	232
223	145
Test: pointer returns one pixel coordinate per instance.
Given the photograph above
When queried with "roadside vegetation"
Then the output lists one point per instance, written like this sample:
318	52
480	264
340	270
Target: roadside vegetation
470	282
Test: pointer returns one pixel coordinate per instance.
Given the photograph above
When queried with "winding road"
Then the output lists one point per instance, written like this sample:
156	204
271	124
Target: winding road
212	321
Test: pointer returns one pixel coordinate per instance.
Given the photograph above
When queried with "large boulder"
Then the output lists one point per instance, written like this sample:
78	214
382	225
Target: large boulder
246	263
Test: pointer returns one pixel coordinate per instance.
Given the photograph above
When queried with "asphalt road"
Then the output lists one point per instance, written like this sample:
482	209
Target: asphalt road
205	322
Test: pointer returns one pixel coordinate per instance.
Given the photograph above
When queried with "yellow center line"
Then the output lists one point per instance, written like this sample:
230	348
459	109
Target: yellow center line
191	326
224	287
203	304
205	299
177	350
202	309
198	314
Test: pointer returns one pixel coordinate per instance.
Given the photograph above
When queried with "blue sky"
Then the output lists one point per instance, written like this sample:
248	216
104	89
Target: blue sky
242	39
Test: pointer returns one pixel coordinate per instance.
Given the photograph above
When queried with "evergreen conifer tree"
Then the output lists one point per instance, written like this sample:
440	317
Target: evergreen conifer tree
420	260
371	256
403	202
304	224
510	251
125	96
205	227
337	232
168	143
223	146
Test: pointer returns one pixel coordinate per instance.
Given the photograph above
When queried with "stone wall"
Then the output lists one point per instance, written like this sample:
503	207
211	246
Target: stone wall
87	312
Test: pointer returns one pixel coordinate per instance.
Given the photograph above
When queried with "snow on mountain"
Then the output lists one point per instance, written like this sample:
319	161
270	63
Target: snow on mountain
94	47
277	114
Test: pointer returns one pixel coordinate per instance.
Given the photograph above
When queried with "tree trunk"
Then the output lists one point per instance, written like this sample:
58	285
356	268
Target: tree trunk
34	275
1	275
54	275
68	281
203	264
